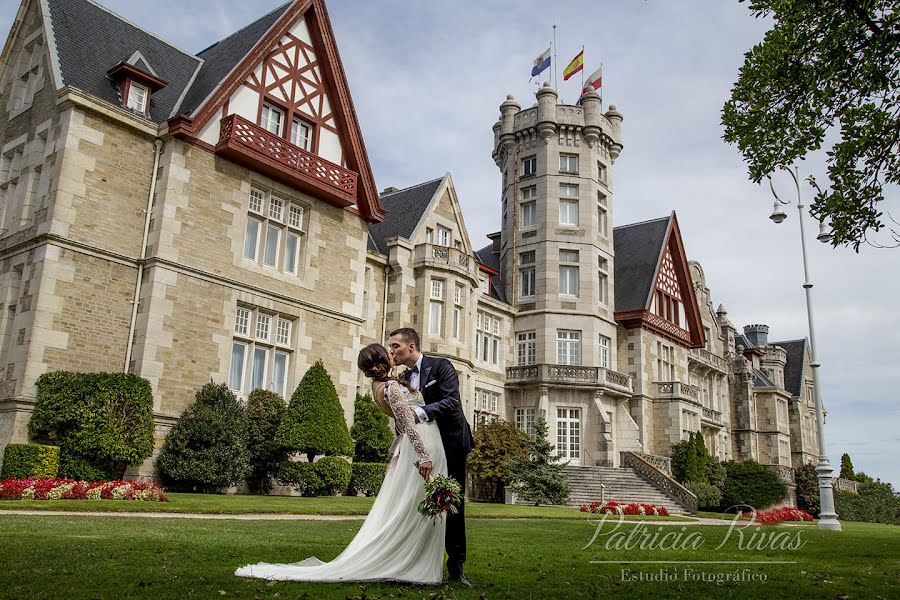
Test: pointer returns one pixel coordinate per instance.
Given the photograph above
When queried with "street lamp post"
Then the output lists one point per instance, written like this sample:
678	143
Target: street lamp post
827	516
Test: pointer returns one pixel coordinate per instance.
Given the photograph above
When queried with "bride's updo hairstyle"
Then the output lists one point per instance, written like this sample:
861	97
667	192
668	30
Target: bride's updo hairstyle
374	362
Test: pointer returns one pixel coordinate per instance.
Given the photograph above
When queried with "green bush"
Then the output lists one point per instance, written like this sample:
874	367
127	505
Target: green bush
708	496
104	418
715	473
335	473
807	481
540	478
496	444
876	502
79	468
264	412
371	432
314	422
21	461
366	478
301	476
751	484
207	448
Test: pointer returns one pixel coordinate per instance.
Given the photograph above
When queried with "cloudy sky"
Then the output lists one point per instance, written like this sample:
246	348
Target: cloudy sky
427	80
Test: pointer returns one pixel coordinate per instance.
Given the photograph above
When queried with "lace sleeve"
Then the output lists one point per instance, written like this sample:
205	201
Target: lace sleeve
404	418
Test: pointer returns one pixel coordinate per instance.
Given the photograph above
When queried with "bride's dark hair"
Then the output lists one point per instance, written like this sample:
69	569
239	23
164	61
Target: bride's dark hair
375	363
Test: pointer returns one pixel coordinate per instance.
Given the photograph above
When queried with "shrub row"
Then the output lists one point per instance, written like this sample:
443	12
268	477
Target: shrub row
21	461
327	476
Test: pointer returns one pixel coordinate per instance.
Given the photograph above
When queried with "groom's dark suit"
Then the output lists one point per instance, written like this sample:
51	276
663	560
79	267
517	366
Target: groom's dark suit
439	385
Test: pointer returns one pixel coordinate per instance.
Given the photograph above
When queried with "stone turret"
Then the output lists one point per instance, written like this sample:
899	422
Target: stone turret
546	117
757	334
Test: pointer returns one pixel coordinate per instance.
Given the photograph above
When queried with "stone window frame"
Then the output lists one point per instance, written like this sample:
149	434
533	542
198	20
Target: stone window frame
569	263
487	338
602	280
272	210
487	401
525	418
532	162
528	206
527	274
568	163
602	215
604	350
526	348
569	199
564	434
665	362
568	346
255	329
28	75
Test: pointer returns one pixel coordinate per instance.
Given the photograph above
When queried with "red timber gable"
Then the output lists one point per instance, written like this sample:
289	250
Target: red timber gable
285	110
671	309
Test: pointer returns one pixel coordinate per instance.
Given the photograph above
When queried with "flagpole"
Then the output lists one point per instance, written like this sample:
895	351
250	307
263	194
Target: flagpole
555	80
582	69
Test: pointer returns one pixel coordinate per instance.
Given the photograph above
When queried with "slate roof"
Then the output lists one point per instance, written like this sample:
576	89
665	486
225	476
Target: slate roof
638	248
90	40
404	209
220	58
796	361
487	256
742	340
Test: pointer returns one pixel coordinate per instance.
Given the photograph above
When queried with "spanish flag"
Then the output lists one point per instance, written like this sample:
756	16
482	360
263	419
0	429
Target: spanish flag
576	65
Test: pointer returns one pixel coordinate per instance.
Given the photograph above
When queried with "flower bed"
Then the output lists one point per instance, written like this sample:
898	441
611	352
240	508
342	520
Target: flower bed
67	489
780	515
615	508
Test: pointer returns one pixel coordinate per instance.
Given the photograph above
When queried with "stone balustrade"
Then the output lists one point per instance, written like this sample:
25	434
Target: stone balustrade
677	389
663	463
433	255
570	374
704	356
712	416
662	480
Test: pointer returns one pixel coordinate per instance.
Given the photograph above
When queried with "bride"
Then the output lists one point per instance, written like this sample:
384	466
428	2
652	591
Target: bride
396	542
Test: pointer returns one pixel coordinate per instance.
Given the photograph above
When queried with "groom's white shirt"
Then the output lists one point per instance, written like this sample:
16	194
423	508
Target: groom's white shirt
414	383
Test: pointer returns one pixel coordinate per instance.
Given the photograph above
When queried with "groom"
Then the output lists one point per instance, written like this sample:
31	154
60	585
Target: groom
437	380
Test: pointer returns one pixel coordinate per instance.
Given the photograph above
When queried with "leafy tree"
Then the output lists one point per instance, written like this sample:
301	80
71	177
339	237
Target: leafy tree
824	65
715	473
264	412
690	460
496	444
540	478
876	502
102	422
847	467
371	432
807	481
207	448
314	421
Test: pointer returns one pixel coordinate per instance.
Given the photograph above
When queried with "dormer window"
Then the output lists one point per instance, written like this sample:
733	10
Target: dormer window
137	97
136	86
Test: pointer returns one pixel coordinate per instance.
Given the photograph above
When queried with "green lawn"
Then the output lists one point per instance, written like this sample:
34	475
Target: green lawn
340	505
58	556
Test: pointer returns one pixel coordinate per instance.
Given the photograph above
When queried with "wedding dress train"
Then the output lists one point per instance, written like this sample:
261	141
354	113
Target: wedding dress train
396	542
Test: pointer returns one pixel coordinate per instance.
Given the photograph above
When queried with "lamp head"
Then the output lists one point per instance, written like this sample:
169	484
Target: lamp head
825	235
778	214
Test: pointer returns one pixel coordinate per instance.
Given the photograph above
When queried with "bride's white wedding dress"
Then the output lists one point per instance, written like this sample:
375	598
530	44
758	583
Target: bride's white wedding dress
396	542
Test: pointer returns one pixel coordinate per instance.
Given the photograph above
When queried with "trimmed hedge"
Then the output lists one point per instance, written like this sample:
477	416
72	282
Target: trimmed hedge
371	432
335	473
79	468
23	461
104	418
749	483
708	495
366	478
207	448
301	476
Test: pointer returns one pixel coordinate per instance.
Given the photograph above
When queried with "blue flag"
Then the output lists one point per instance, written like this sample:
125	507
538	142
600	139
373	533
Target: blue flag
541	63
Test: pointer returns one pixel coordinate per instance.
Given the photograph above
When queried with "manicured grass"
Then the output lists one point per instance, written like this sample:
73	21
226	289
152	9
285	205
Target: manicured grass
339	505
98	557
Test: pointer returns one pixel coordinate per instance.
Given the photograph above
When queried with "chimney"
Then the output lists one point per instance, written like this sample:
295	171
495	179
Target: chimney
389	190
757	334
495	241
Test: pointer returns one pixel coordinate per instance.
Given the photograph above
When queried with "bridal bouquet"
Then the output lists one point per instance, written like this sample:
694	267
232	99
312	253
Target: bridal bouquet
442	496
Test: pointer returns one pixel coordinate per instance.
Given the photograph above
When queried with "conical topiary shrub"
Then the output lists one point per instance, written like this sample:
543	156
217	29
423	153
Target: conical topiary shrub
207	448
371	432
314	422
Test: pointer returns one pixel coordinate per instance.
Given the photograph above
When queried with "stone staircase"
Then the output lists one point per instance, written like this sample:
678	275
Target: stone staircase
623	485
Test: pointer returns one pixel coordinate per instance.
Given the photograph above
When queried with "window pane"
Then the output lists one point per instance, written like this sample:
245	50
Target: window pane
279	373
295	217
283	334
271	257
256	200
528	214
258	380
291	245
242	321
251	238
262	326
276	208
236	376
435	318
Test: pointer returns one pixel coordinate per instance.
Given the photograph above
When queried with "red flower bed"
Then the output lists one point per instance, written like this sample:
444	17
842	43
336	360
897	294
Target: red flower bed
780	515
615	508
67	489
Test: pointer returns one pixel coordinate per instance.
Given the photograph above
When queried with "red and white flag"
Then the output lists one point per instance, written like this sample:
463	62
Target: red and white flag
594	82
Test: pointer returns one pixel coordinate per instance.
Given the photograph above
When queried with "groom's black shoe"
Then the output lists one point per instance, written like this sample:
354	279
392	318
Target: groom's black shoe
460	579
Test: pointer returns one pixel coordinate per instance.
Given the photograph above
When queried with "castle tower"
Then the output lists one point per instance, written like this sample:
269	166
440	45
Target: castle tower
556	255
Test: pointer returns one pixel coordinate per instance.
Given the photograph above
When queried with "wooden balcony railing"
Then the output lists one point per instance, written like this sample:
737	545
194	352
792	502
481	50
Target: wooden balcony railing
250	145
